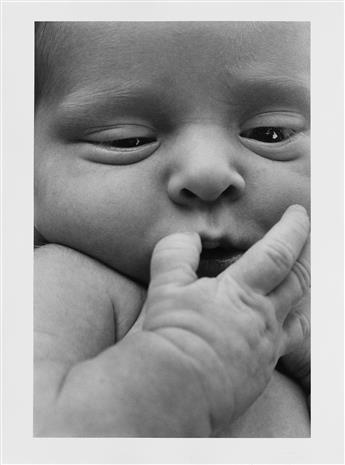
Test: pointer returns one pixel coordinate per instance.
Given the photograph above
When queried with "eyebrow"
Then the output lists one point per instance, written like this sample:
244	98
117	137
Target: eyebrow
97	105
88	94
91	102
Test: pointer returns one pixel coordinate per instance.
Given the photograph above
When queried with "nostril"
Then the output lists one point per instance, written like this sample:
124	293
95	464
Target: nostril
205	186
187	194
231	192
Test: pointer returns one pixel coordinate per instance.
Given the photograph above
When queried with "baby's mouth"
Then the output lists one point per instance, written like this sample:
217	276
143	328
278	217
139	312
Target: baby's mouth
216	259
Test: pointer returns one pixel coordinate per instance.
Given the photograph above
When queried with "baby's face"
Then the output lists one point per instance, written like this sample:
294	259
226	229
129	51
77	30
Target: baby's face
157	128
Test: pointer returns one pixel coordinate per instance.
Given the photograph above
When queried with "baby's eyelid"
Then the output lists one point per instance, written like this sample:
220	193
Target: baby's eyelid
117	150
128	143
293	121
118	132
269	134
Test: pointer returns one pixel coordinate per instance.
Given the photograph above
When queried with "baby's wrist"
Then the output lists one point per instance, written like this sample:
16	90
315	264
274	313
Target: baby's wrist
166	386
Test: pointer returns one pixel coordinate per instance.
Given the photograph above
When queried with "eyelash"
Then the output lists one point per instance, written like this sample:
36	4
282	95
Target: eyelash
264	134
266	137
128	143
268	134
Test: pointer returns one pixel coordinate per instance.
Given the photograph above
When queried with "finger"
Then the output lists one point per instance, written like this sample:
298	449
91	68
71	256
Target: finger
267	263
296	330
295	286
175	259
138	325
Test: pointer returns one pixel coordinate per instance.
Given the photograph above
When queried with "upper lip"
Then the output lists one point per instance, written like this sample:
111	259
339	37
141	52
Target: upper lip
222	242
219	252
210	243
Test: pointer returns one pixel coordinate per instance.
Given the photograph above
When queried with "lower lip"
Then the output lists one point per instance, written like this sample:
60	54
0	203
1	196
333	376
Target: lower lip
211	264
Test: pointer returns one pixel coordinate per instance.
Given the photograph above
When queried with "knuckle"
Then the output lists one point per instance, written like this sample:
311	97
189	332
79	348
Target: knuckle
266	351
260	310
301	271
164	247
242	296
305	326
262	316
269	323
269	351
178	241
304	323
169	250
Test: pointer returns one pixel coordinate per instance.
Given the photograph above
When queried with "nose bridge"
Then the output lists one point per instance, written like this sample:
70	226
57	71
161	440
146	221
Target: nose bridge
206	166
209	144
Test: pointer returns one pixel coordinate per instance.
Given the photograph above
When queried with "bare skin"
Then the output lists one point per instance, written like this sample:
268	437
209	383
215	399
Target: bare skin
62	343
179	128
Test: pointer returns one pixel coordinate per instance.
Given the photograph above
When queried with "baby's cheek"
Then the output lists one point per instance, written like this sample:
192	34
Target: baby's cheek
281	192
57	209
45	206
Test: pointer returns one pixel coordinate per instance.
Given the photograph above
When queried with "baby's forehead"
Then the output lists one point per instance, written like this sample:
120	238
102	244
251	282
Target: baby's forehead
88	52
119	35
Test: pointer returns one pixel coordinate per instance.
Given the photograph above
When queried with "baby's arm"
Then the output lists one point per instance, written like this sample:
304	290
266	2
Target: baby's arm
65	338
76	316
117	392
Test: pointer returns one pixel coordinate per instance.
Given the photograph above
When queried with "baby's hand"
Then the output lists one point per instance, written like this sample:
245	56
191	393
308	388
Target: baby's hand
207	349
297	363
230	330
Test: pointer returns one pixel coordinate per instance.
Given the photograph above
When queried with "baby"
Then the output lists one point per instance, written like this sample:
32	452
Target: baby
173	274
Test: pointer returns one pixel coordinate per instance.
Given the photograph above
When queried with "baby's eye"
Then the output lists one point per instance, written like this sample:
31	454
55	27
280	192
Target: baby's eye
268	134
128	143
122	144
277	135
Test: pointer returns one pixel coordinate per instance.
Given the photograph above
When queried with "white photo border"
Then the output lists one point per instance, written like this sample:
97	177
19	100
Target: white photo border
326	443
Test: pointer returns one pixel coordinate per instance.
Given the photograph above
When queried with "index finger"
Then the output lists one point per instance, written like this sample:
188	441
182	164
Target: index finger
175	259
268	262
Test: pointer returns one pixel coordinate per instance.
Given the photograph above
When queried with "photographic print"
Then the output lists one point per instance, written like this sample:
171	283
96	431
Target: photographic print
175	269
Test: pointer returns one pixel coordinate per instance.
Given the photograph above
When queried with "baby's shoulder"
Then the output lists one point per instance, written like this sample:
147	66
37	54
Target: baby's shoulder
68	279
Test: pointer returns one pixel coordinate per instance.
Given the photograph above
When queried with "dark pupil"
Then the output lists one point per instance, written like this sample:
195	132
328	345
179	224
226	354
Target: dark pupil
133	142
267	134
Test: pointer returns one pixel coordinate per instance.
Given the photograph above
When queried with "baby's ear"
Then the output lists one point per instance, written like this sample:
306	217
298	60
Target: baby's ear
39	240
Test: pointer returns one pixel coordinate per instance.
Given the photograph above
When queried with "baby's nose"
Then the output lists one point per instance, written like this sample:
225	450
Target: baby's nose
206	184
205	174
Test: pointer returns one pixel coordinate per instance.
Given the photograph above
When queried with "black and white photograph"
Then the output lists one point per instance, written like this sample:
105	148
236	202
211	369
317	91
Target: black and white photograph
172	203
173	237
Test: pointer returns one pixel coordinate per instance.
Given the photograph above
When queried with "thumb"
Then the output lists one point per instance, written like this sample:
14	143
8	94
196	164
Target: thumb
268	262
138	325
175	259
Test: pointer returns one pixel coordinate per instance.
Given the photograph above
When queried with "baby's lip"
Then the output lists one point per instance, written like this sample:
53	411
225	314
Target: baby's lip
223	244
217	255
220	253
212	263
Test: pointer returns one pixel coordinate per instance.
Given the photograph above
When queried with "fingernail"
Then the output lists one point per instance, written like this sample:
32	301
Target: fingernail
191	234
297	207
